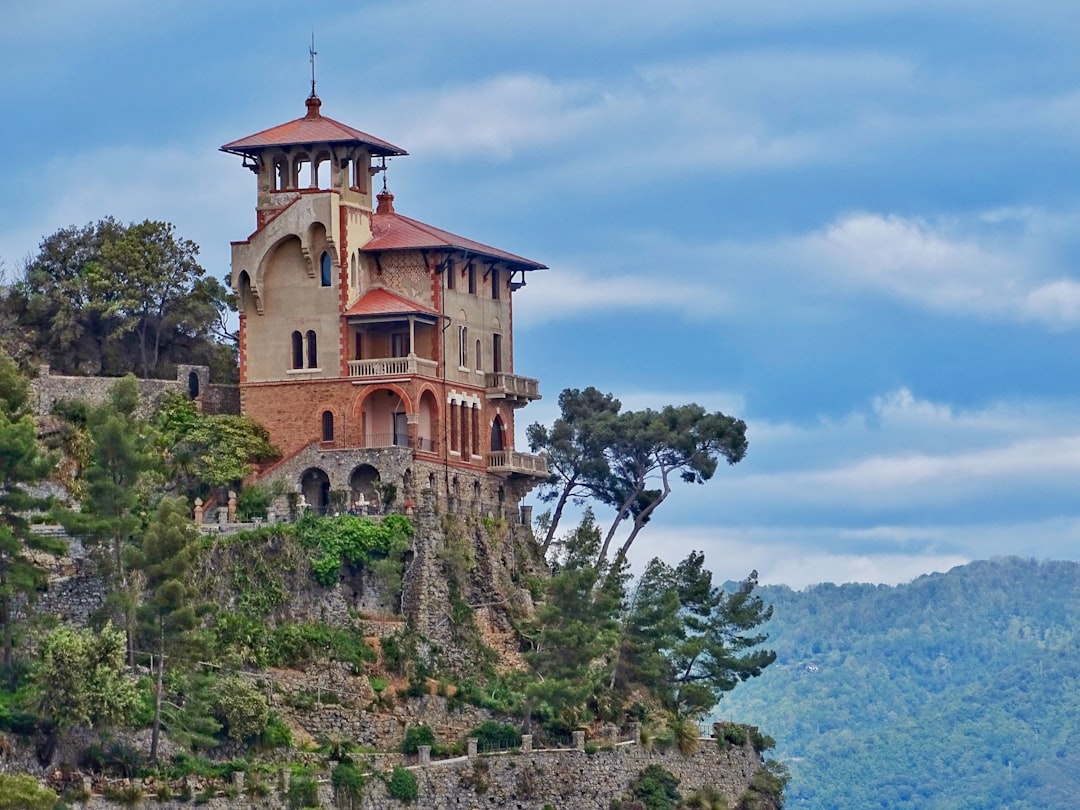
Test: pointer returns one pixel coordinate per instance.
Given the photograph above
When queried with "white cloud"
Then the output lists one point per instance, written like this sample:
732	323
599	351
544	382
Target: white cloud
949	266
567	293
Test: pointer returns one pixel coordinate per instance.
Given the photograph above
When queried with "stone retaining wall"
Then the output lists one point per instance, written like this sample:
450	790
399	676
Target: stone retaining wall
47	389
566	779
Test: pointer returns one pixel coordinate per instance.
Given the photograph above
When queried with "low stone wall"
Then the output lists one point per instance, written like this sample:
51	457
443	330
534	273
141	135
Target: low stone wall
565	779
47	389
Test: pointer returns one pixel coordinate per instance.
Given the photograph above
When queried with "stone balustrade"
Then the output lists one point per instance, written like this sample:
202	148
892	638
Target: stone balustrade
382	367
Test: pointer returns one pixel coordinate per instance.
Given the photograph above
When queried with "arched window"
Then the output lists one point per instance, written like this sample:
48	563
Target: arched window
244	282
324	266
193	385
297	350
463	346
327	426
312	350
497	442
479	357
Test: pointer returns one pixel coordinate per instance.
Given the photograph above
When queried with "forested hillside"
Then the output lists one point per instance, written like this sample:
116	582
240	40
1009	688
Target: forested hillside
957	690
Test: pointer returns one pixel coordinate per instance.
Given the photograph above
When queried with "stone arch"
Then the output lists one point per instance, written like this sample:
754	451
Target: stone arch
193	385
363	486
301	162
315	487
318	168
381	415
427	429
271	255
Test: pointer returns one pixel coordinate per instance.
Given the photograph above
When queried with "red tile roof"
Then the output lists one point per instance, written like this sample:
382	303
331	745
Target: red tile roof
392	231
312	128
384	302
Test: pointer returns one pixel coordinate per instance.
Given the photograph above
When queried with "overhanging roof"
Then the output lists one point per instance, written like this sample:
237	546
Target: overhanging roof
313	128
392	231
381	304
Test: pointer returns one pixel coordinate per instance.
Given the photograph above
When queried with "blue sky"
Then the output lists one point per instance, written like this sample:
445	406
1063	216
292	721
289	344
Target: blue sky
854	224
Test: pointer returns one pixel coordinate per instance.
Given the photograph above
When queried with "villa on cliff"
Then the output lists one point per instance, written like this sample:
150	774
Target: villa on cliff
375	348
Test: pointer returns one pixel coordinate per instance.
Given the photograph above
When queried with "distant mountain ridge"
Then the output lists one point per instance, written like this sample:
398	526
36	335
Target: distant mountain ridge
956	690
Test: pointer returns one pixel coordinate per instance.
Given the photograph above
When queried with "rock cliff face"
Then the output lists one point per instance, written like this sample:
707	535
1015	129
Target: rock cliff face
464	584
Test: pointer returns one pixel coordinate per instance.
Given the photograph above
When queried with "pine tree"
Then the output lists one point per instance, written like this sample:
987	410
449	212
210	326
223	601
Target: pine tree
21	464
169	612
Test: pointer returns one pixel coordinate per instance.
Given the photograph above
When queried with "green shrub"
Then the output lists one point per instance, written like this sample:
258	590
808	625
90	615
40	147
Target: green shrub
241	708
25	793
276	734
129	795
353	540
378	684
253	500
761	742
303	792
491	734
656	788
403	785
767	783
348	781
730	734
114	759
415	737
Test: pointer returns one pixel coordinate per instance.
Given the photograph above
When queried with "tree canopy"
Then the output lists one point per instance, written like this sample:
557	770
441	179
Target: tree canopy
108	298
629	460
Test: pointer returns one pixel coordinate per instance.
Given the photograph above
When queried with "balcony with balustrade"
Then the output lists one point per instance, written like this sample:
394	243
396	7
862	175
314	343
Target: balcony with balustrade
388	368
516	391
511	462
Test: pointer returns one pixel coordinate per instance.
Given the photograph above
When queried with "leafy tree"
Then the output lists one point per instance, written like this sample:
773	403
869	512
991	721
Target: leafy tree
212	450
189	711
651	448
80	681
719	646
109	518
21	464
54	299
242	708
575	446
576	627
688	642
629	460
109	298
145	277
169	611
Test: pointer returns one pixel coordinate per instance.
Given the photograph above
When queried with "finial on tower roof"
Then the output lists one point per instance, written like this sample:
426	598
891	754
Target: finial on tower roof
312	53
